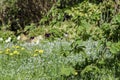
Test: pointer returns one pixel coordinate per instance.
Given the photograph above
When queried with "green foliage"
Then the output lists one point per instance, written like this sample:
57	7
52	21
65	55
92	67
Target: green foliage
114	47
6	34
92	28
93	61
111	31
90	72
90	19
67	71
23	12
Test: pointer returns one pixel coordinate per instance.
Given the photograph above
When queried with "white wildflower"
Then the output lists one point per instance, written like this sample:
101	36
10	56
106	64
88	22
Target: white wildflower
65	34
1	39
36	40
8	40
18	38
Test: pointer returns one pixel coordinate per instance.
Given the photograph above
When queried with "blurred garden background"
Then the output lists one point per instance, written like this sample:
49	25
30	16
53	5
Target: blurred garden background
59	39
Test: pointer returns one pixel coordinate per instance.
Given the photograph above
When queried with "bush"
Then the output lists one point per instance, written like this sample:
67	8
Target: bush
23	12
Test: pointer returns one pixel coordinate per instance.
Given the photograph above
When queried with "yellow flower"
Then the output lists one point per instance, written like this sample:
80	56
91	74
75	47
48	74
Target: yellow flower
22	48
1	52
36	50
35	55
11	54
76	73
16	52
41	51
17	47
7	50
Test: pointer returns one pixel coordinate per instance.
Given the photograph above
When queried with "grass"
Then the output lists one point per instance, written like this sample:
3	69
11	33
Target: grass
53	61
27	61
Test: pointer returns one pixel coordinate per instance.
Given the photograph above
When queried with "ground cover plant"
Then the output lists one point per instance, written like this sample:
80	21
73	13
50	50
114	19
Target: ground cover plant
55	60
71	40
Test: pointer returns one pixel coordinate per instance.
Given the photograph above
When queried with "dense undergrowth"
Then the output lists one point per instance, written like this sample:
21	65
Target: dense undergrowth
77	41
57	61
